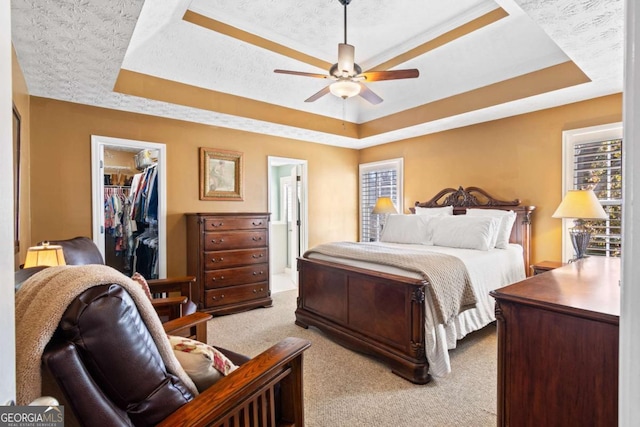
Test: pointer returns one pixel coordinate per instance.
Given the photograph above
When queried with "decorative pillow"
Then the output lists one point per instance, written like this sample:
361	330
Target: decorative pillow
204	364
462	231
446	210
507	219
406	229
137	277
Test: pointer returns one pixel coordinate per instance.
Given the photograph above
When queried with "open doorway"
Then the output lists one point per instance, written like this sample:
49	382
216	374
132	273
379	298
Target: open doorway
288	232
112	178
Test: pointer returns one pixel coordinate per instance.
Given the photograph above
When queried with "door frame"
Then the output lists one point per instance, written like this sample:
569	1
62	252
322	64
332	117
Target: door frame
275	161
98	144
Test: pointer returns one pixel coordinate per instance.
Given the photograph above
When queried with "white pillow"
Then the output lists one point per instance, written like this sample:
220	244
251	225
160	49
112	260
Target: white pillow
462	231
446	210
204	364
507	219
406	229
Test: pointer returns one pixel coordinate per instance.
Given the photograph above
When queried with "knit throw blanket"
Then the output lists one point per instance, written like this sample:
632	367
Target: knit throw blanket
449	282
42	300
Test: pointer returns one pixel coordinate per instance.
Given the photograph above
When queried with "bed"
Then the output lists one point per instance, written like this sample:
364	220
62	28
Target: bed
388	312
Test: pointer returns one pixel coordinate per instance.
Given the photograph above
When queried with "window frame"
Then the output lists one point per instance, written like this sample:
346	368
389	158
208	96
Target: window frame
390	164
570	138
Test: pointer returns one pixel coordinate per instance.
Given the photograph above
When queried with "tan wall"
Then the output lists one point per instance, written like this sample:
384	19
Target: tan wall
21	101
61	172
516	157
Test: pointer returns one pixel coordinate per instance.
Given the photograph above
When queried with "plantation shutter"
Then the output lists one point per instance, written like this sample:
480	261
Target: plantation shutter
381	179
598	165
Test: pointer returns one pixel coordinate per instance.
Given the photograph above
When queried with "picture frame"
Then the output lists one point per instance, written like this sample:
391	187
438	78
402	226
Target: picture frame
17	129
221	174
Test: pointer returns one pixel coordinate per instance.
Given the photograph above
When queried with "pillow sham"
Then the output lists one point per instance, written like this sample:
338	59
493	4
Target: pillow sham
507	219
204	364
446	210
462	231
410	229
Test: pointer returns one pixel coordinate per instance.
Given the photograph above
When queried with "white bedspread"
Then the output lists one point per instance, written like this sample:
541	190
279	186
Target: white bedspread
488	270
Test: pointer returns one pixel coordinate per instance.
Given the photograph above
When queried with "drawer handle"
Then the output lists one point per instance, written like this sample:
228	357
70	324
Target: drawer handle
255	273
254	256
257	223
217	225
255	291
217	241
215	298
257	238
214	279
219	260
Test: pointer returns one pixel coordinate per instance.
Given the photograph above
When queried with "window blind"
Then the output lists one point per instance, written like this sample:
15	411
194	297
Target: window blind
598	165
382	179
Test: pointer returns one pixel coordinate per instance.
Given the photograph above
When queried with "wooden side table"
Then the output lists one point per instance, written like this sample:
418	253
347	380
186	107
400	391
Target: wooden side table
544	266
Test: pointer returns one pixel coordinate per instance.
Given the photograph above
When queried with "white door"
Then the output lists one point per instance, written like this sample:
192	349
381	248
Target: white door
293	221
296	243
98	145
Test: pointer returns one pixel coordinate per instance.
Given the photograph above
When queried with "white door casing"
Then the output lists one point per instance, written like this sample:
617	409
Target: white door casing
98	144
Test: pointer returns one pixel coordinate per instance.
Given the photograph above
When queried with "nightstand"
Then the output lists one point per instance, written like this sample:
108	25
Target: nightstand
544	266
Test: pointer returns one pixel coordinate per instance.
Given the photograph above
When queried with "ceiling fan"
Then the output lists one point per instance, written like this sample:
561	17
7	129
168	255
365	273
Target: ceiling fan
348	76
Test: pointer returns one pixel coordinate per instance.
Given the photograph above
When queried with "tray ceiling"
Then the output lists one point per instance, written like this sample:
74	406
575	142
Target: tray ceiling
212	61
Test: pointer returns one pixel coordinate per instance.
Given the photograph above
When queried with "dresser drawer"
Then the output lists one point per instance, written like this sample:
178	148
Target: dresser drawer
235	294
234	240
222	223
225	259
236	276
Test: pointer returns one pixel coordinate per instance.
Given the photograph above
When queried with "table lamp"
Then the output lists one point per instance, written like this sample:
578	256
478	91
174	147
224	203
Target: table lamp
384	206
45	255
580	205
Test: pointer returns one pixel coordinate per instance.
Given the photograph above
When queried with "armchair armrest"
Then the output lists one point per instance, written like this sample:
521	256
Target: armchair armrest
192	325
172	284
170	306
247	394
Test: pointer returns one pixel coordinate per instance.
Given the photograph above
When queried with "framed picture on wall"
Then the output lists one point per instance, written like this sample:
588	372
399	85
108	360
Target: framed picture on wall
16	179
220	174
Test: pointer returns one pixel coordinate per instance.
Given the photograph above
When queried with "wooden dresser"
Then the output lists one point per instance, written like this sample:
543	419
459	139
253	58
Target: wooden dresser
228	253
558	346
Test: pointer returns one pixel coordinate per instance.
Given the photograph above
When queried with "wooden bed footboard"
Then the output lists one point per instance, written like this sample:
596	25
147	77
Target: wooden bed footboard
374	313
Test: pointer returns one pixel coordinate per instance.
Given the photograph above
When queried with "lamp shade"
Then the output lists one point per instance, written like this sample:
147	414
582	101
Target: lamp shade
581	204
45	255
384	205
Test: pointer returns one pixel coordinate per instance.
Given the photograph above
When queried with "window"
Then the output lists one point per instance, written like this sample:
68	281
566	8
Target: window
379	179
593	159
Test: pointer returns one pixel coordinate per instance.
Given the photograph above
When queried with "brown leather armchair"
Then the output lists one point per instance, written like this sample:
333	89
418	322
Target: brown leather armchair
82	251
108	368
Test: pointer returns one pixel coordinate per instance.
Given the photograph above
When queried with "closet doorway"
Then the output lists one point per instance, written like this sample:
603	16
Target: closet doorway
113	167
289	217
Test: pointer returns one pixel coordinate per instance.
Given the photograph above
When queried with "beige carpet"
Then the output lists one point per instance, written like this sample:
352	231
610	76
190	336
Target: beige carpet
345	388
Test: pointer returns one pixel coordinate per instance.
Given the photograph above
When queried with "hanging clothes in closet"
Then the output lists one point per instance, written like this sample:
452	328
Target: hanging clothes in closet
142	241
115	201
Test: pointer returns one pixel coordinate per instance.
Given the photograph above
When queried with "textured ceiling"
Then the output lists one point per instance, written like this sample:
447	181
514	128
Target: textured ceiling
212	61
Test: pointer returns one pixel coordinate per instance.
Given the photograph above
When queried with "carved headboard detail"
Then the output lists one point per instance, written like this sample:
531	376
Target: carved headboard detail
464	197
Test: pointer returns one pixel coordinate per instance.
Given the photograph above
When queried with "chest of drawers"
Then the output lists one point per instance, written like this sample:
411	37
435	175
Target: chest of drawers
558	346
228	253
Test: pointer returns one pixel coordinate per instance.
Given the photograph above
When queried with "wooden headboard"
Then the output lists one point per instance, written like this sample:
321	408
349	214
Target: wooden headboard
477	198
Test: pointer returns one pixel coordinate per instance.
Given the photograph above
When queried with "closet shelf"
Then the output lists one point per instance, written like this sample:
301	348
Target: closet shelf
121	168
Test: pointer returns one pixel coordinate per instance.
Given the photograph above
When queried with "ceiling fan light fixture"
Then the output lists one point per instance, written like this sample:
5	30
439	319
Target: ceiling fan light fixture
344	89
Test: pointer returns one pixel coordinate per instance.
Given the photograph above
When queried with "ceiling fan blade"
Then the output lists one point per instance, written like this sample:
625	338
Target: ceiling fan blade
301	73
369	95
346	59
373	76
322	92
